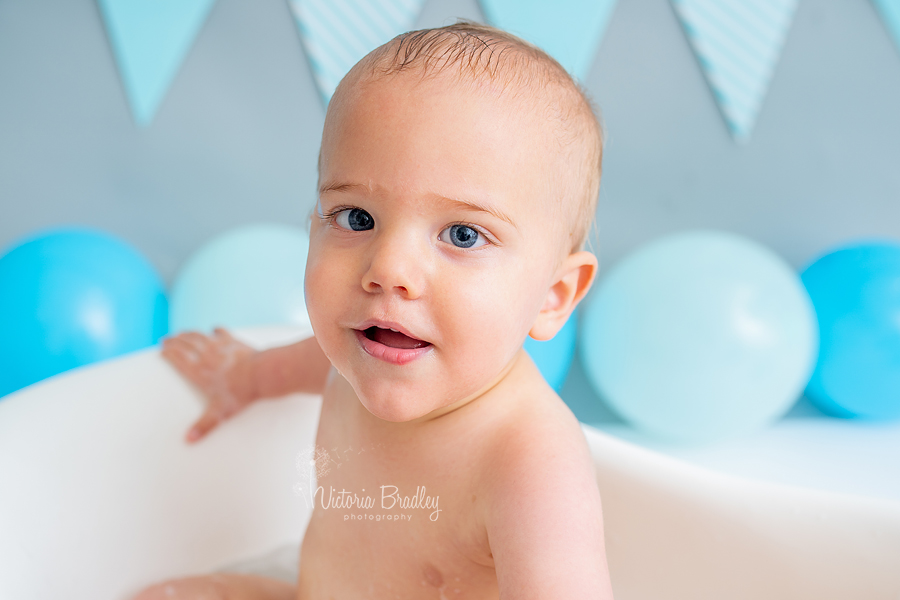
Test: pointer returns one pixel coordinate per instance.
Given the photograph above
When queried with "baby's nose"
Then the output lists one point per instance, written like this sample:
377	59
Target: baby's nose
395	268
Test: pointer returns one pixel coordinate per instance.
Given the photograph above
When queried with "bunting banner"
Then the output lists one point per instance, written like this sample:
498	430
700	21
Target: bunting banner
890	14
150	39
569	30
738	44
336	34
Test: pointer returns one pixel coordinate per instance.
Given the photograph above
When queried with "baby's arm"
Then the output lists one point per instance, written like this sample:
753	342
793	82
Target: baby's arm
544	520
232	375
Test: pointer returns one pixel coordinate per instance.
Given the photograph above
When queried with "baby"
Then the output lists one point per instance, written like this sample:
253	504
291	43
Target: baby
458	176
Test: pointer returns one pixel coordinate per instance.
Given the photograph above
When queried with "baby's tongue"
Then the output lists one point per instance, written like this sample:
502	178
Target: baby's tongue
394	339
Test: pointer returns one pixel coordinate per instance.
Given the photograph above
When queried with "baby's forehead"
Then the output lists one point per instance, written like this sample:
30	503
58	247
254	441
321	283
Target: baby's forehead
520	84
527	111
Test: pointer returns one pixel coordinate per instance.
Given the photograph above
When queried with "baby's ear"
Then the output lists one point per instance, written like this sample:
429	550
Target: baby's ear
573	280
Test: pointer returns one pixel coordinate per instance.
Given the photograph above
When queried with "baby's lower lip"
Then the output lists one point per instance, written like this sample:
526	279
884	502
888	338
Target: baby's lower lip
389	354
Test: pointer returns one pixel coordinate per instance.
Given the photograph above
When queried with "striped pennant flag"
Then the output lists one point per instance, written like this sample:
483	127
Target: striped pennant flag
150	39
338	33
890	14
738	43
569	30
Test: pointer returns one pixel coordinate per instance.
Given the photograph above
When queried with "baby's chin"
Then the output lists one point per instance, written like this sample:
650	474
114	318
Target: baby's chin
395	407
401	402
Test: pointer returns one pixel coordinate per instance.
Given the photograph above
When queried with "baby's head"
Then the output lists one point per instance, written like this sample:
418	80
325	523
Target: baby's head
458	179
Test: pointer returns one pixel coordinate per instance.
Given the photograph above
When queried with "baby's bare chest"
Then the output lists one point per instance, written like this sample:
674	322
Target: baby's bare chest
390	522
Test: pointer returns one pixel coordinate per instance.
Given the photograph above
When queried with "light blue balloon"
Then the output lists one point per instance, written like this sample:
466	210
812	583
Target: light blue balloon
856	294
554	357
252	275
70	297
699	336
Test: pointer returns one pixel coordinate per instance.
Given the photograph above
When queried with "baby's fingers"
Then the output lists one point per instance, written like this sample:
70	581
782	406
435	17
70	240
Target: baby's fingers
224	335
221	406
206	423
230	348
206	347
177	348
195	344
185	359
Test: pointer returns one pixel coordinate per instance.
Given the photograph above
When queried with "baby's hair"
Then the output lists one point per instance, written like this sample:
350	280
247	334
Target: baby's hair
517	69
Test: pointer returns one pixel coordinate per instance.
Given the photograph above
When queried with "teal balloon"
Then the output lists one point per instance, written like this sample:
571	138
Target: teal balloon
554	357
856	293
700	336
252	275
70	297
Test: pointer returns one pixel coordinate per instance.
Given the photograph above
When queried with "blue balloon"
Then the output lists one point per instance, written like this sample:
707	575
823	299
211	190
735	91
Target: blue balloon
252	275
856	293
70	297
554	357
700	335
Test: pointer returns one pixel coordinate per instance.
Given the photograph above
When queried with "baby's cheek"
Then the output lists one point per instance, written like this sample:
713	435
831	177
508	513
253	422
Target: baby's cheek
318	287
489	327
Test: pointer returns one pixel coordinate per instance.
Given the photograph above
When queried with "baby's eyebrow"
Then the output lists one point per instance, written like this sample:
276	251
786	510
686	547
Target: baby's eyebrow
469	205
473	205
341	187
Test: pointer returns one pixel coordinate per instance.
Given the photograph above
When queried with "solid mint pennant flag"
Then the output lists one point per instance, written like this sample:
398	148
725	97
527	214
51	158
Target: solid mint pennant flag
150	39
569	30
890	14
336	34
738	44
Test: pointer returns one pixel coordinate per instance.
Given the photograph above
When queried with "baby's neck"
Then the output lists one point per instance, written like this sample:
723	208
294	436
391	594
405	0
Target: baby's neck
489	399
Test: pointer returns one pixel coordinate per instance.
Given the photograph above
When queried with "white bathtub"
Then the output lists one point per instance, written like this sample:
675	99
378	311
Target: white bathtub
99	496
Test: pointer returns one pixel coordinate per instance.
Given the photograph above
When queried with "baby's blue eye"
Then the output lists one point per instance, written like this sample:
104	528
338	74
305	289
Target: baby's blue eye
462	236
355	219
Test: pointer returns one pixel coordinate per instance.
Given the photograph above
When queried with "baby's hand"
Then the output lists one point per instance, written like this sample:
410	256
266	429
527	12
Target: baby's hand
218	366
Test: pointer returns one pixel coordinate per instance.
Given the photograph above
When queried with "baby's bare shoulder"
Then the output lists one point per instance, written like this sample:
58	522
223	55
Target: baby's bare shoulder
541	444
542	507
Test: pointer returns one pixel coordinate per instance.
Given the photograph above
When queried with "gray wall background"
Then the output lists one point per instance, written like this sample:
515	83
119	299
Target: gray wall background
236	138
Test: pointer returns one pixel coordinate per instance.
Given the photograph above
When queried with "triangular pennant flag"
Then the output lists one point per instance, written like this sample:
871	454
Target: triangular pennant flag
569	30
338	33
150	39
738	44
890	14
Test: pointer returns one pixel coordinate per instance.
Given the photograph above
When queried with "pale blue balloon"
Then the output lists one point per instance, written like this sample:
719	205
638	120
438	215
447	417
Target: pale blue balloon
700	335
248	276
554	357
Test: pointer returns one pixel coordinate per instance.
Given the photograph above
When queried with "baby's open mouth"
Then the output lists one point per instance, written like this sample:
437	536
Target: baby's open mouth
394	339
